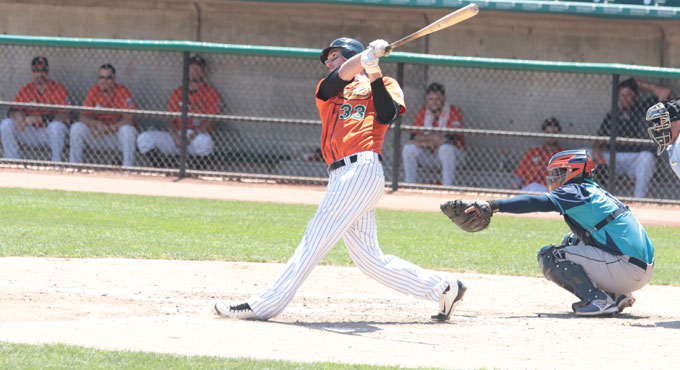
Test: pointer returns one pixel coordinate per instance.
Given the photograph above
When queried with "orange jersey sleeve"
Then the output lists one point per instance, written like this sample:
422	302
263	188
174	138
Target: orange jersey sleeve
349	122
534	165
55	93
120	98
455	120
206	99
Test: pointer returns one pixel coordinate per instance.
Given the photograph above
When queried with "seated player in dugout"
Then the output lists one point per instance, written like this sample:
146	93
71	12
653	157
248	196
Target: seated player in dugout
634	160
203	98
608	254
664	118
432	150
105	131
532	169
37	126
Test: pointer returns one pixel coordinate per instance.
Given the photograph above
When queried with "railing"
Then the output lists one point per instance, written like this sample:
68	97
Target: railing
267	125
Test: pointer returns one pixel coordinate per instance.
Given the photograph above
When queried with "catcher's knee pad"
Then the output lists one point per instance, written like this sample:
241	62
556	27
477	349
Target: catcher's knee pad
570	239
567	274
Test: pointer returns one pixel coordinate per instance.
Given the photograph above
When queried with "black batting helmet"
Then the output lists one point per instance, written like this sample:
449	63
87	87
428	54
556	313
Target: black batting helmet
349	48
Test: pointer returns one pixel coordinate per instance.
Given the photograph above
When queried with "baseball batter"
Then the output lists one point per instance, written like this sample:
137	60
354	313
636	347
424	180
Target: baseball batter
356	104
607	256
665	129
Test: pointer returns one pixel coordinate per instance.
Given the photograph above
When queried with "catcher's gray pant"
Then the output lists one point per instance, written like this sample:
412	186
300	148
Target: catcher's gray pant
54	135
123	140
446	159
201	145
347	211
613	274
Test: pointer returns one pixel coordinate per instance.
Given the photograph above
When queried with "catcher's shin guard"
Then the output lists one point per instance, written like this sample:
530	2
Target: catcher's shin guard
567	274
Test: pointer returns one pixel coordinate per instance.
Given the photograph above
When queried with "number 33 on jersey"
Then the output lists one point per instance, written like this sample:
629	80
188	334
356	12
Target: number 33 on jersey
348	120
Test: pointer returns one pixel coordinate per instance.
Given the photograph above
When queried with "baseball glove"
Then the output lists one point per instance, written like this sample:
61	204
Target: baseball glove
477	219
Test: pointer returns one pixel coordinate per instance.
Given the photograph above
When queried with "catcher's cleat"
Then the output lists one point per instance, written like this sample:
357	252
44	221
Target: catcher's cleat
624	301
241	311
596	307
448	301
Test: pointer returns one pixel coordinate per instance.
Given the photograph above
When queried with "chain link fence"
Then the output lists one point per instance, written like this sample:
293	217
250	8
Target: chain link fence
261	120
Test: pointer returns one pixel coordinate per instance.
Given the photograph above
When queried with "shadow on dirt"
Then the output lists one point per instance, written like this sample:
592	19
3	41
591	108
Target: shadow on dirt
357	327
571	315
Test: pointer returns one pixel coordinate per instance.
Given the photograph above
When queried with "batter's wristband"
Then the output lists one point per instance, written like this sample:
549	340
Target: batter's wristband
494	205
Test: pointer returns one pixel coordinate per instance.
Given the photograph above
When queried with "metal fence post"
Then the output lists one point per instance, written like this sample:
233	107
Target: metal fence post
613	133
397	136
185	111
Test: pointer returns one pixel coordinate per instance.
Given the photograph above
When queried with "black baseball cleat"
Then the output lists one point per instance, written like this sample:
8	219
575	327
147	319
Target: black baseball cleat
240	311
449	300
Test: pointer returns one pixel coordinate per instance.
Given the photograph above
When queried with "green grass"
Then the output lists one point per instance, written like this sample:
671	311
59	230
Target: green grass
68	224
22	356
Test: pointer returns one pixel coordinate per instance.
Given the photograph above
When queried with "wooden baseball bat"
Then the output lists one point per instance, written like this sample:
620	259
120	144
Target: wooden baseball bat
448	20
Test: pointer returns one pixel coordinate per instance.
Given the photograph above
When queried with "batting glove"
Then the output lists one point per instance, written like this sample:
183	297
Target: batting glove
380	48
370	61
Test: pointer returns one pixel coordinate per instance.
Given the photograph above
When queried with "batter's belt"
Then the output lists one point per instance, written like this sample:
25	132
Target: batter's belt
341	162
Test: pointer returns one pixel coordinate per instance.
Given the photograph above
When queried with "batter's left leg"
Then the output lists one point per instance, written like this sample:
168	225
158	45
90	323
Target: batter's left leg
403	276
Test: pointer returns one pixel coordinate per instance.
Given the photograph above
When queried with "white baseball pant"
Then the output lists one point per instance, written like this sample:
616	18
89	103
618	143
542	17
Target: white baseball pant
347	211
53	135
613	274
638	165
201	145
447	158
123	140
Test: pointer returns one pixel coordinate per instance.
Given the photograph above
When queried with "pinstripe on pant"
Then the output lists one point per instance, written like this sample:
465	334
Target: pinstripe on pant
347	211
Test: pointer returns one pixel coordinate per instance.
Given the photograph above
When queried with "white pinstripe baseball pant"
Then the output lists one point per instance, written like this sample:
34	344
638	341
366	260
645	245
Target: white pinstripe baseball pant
347	211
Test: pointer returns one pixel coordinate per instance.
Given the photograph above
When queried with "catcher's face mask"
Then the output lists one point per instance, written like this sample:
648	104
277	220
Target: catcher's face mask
558	177
660	130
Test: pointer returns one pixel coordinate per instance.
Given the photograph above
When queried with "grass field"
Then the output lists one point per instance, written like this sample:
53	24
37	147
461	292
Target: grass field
67	224
21	356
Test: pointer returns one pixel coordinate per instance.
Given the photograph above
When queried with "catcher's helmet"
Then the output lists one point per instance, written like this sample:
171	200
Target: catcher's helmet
349	47
569	166
660	117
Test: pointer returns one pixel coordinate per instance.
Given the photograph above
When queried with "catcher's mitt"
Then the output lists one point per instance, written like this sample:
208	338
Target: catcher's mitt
476	220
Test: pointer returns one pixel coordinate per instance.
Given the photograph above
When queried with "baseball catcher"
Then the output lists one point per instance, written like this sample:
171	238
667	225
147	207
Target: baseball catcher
469	216
609	254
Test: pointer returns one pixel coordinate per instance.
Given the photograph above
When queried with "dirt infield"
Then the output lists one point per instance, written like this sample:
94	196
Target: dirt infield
338	315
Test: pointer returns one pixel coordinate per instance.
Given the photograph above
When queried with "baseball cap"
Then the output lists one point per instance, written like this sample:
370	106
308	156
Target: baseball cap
39	61
552	121
197	59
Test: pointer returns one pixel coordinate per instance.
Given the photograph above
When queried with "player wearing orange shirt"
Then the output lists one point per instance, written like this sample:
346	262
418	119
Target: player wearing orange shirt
430	149
105	131
533	168
37	126
356	104
203	98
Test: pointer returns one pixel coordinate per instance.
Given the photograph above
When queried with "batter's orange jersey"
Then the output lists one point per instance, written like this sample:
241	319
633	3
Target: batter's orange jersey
204	100
55	93
534	165
454	120
119	98
348	120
